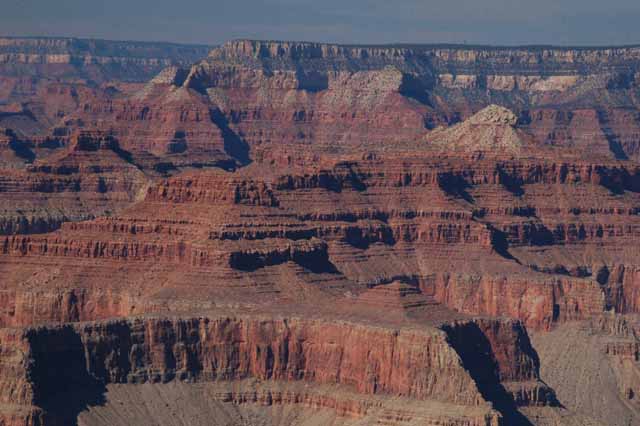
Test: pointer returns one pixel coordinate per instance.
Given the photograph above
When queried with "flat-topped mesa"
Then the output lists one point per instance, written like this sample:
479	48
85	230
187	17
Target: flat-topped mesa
96	59
455	59
315	75
529	58
300	65
19	43
293	50
398	296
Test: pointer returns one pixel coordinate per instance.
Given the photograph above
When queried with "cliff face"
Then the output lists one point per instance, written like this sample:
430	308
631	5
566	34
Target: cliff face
369	360
230	349
443	57
292	102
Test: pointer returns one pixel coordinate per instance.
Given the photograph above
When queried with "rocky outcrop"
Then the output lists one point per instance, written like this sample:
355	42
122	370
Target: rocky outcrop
431	85
416	364
539	305
228	349
89	177
492	129
224	188
162	130
509	373
476	234
50	78
443	56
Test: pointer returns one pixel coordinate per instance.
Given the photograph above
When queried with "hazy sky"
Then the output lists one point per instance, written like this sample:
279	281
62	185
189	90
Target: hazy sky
575	22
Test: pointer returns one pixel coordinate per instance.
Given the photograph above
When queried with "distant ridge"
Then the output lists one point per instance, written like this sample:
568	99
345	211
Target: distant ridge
413	46
93	59
471	46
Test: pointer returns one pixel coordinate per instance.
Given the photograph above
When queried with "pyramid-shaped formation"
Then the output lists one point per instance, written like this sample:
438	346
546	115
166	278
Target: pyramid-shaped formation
397	295
492	129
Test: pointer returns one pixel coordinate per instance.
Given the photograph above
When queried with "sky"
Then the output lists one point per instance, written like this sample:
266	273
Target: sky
497	22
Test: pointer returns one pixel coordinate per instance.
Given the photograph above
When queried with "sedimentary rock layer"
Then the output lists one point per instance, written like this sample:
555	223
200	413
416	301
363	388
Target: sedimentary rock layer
92	59
40	365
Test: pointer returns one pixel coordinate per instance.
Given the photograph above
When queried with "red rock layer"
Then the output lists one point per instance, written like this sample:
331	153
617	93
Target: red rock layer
40	363
163	121
478	236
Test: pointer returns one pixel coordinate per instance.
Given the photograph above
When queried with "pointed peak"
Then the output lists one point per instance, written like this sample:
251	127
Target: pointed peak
494	114
492	129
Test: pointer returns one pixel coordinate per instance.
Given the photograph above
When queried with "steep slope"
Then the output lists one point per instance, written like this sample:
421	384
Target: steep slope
492	129
274	361
594	367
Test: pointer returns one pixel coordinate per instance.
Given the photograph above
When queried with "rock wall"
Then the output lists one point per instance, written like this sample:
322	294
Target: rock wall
40	363
538	305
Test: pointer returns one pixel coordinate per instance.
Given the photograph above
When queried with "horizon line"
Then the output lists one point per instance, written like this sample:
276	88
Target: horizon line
407	45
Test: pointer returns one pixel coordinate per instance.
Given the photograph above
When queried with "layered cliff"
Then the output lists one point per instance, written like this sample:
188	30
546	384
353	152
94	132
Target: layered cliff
78	177
91	59
524	226
434	85
361	362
